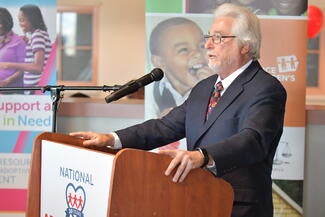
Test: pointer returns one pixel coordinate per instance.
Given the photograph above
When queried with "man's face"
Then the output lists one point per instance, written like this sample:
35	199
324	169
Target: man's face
228	55
182	56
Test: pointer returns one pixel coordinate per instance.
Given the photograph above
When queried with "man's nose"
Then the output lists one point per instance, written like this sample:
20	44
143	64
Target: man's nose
208	43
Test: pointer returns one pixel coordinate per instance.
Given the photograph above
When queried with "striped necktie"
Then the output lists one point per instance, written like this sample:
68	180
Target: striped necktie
215	98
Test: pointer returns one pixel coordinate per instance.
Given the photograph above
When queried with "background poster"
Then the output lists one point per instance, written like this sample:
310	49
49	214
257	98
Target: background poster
22	116
286	61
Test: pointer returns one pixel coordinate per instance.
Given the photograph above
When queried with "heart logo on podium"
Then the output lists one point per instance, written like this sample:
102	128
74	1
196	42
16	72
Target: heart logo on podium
76	200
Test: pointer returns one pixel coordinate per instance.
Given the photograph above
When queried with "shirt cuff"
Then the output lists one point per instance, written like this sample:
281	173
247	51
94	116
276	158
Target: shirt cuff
117	142
212	168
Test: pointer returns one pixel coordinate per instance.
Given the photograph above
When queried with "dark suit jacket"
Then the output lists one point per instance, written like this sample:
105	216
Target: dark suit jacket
241	134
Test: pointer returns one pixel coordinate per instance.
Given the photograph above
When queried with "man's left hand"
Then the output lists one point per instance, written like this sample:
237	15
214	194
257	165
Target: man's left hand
184	161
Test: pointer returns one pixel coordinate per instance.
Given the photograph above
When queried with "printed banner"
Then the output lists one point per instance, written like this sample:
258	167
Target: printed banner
25	113
288	65
29	28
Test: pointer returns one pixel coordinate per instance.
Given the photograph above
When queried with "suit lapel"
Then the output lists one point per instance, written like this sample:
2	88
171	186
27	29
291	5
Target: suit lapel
230	95
200	105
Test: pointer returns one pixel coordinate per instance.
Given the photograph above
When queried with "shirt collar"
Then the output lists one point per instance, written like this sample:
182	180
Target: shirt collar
228	80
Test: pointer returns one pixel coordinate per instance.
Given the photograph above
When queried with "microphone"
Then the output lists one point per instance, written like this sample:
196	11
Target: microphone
132	86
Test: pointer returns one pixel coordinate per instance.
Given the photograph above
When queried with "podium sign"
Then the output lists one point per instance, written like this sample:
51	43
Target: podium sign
74	181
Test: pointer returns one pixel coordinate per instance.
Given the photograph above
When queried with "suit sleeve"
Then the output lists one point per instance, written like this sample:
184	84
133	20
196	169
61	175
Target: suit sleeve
155	132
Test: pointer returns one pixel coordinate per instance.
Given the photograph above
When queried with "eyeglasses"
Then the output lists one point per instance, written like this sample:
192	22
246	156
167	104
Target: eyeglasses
217	38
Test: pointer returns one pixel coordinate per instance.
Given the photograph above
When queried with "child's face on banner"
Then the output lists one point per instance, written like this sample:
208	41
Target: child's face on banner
183	56
242	2
290	7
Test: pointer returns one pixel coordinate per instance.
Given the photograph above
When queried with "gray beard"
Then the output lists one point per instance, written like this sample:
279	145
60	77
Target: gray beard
214	68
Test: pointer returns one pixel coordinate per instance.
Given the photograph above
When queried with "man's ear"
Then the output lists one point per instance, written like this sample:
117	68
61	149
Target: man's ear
157	61
245	49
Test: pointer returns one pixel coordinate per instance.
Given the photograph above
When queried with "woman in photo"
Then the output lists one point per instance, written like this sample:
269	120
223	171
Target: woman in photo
12	49
38	45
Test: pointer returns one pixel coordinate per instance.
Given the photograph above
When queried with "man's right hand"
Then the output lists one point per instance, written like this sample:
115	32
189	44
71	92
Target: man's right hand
93	138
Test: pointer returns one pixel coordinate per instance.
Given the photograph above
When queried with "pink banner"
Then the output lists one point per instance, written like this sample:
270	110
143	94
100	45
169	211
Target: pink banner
13	199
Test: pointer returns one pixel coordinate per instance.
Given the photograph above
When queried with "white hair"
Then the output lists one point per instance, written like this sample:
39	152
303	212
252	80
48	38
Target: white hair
246	27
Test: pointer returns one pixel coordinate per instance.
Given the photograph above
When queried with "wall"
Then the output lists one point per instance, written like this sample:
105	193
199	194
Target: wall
319	3
314	191
79	114
121	39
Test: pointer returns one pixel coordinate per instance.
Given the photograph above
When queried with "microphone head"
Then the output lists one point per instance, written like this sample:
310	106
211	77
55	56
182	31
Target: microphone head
157	74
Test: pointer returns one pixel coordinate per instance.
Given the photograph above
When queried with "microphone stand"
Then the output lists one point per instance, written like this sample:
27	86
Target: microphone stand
55	91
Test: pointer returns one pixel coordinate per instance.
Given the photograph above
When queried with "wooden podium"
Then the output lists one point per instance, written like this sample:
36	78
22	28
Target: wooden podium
138	186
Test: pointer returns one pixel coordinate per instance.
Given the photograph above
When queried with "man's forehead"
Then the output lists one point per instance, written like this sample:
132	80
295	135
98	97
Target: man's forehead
221	25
